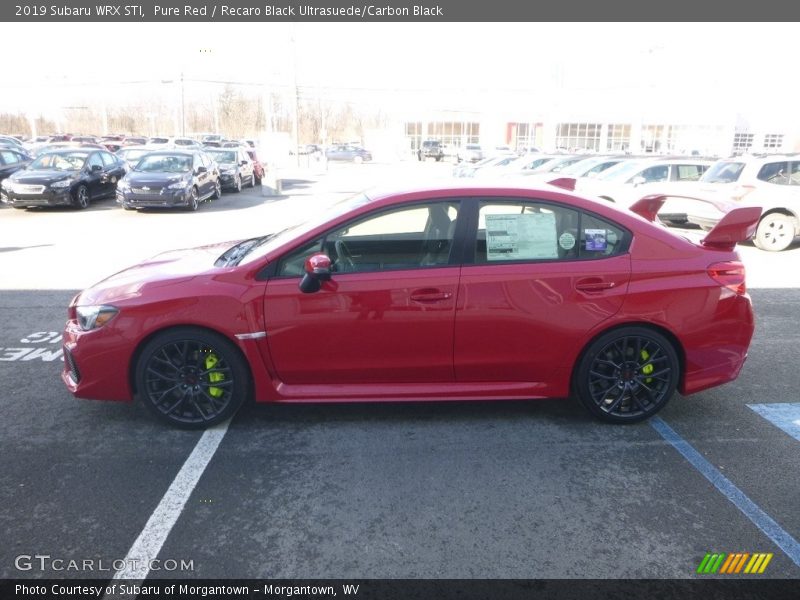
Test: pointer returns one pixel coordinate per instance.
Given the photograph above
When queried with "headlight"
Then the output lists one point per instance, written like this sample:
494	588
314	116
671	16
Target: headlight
7	185
94	317
178	185
123	185
65	183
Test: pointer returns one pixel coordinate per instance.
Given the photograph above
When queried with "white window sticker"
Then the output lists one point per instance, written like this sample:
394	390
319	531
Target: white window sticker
521	236
596	239
566	241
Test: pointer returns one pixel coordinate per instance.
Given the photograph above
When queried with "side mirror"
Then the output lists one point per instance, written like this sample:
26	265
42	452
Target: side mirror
317	270
96	168
243	163
638	180
201	170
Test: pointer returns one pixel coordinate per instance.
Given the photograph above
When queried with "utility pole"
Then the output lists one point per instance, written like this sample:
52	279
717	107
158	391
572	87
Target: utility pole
183	109
296	120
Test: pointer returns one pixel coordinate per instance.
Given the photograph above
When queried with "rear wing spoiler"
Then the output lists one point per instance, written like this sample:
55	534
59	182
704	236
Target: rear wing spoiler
736	226
565	183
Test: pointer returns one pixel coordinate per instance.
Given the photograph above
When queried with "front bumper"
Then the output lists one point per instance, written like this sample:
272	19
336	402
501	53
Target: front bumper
164	198
227	180
96	363
47	197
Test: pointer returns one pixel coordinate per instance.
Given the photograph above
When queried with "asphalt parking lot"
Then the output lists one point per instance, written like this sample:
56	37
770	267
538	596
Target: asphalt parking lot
441	490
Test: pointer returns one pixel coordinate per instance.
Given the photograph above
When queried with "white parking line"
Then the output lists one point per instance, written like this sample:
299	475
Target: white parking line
147	546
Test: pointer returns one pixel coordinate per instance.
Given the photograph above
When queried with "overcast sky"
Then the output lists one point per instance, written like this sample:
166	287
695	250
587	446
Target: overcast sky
745	65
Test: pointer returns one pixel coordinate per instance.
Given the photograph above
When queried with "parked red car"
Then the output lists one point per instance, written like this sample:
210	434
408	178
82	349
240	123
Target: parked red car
430	294
258	167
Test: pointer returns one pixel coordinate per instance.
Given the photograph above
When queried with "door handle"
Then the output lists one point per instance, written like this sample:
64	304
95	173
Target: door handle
430	295
594	285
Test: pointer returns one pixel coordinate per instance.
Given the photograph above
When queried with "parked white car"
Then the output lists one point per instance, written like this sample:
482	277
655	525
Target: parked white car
771	182
630	180
470	153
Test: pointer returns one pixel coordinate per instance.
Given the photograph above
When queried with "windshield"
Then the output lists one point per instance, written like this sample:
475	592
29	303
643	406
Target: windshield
223	157
133	154
621	171
67	161
165	163
268	243
583	166
723	172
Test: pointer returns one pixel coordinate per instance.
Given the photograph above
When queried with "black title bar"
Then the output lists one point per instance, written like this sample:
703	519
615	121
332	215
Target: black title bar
65	11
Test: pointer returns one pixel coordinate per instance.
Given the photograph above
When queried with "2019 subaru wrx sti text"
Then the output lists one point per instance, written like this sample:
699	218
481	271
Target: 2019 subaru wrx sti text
453	292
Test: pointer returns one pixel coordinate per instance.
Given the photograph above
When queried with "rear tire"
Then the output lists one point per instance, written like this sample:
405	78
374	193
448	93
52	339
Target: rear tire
775	232
627	375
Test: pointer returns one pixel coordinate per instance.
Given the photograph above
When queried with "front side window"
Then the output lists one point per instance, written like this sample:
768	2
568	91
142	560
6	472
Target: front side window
410	237
656	173
94	161
533	231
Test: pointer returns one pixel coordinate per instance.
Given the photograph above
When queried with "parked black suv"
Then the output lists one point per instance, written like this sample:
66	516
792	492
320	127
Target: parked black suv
431	149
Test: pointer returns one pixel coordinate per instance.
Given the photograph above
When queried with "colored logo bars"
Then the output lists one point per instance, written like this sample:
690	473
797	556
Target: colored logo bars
730	564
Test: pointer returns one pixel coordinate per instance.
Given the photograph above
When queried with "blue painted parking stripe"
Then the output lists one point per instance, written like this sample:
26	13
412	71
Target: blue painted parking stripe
785	415
751	510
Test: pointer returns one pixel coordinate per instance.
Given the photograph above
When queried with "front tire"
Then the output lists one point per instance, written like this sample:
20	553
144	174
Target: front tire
627	375
775	232
81	197
217	191
194	200
191	378
237	184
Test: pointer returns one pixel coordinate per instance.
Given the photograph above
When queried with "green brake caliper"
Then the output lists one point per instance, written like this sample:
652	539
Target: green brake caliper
214	377
647	369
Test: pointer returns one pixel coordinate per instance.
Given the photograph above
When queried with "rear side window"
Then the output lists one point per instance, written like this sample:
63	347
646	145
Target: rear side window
775	172
531	231
688	172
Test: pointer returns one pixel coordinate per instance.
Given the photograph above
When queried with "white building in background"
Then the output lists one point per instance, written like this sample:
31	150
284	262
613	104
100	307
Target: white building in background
629	120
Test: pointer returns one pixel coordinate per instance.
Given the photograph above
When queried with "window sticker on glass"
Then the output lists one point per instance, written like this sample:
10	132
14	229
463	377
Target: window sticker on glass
596	239
521	236
566	241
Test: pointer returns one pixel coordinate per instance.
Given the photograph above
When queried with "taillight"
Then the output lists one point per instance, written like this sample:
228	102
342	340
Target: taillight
729	274
740	191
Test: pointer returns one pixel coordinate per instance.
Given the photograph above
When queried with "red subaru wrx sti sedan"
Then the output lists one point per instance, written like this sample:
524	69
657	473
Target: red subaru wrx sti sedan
448	293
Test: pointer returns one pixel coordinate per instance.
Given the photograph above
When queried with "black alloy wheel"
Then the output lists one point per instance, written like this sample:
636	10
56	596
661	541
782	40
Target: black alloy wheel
81	197
191	378
217	190
627	375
